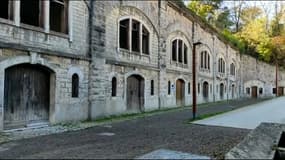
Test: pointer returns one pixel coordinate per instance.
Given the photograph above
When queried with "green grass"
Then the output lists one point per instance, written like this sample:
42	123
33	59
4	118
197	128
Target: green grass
204	116
137	115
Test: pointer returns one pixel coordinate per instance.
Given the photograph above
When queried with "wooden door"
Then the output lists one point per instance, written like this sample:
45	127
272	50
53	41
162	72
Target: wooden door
280	91
254	92
26	95
180	92
135	93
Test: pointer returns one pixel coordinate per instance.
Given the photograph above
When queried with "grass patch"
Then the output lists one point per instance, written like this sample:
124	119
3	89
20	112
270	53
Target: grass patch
204	116
136	115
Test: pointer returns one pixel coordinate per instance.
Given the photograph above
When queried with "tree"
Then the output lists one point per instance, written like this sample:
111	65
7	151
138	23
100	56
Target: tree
255	36
204	8
236	13
222	21
249	14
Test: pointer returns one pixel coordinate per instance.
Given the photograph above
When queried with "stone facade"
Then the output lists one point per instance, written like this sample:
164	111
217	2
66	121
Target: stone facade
62	54
161	78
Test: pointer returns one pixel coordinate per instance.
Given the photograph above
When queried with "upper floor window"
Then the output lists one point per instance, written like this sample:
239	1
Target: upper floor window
221	65
205	60
58	15
32	13
232	70
6	9
75	85
179	51
133	36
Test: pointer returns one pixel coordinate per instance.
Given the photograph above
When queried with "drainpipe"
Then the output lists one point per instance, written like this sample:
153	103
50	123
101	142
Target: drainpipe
214	70
227	74
90	23
159	57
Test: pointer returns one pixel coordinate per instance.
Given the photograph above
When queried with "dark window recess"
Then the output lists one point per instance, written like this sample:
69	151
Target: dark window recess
185	54
124	34
4	9
201	60
208	61
260	90
58	15
174	50
151	87
169	87
30	12
198	88
135	36
274	91
145	41
75	85
180	45
189	88
114	86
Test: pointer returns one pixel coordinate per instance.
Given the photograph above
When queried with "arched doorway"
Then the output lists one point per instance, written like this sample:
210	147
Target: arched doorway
254	92
233	91
135	93
206	90
26	95
221	91
180	92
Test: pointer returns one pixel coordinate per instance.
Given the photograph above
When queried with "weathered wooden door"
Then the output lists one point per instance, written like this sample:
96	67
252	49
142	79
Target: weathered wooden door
180	92
254	92
26	95
135	93
280	91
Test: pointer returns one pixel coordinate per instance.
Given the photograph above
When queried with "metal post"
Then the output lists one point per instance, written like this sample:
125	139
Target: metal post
276	78
194	102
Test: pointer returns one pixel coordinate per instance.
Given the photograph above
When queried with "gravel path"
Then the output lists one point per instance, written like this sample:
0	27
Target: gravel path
130	139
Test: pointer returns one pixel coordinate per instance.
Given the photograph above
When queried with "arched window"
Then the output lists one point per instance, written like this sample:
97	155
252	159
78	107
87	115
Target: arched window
151	87
114	86
75	85
139	39
221	90
232	69
205	60
179	51
221	65
169	87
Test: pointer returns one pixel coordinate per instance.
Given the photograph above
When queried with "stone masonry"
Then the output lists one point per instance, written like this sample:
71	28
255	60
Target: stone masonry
91	49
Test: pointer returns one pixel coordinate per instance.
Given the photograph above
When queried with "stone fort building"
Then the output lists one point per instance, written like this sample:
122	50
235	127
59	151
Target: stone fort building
63	60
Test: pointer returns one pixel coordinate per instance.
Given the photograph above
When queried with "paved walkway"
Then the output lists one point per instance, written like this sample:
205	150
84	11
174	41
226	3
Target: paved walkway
251	116
132	138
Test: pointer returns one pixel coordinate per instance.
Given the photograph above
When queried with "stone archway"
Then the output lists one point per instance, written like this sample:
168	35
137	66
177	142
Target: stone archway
26	95
180	92
135	93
